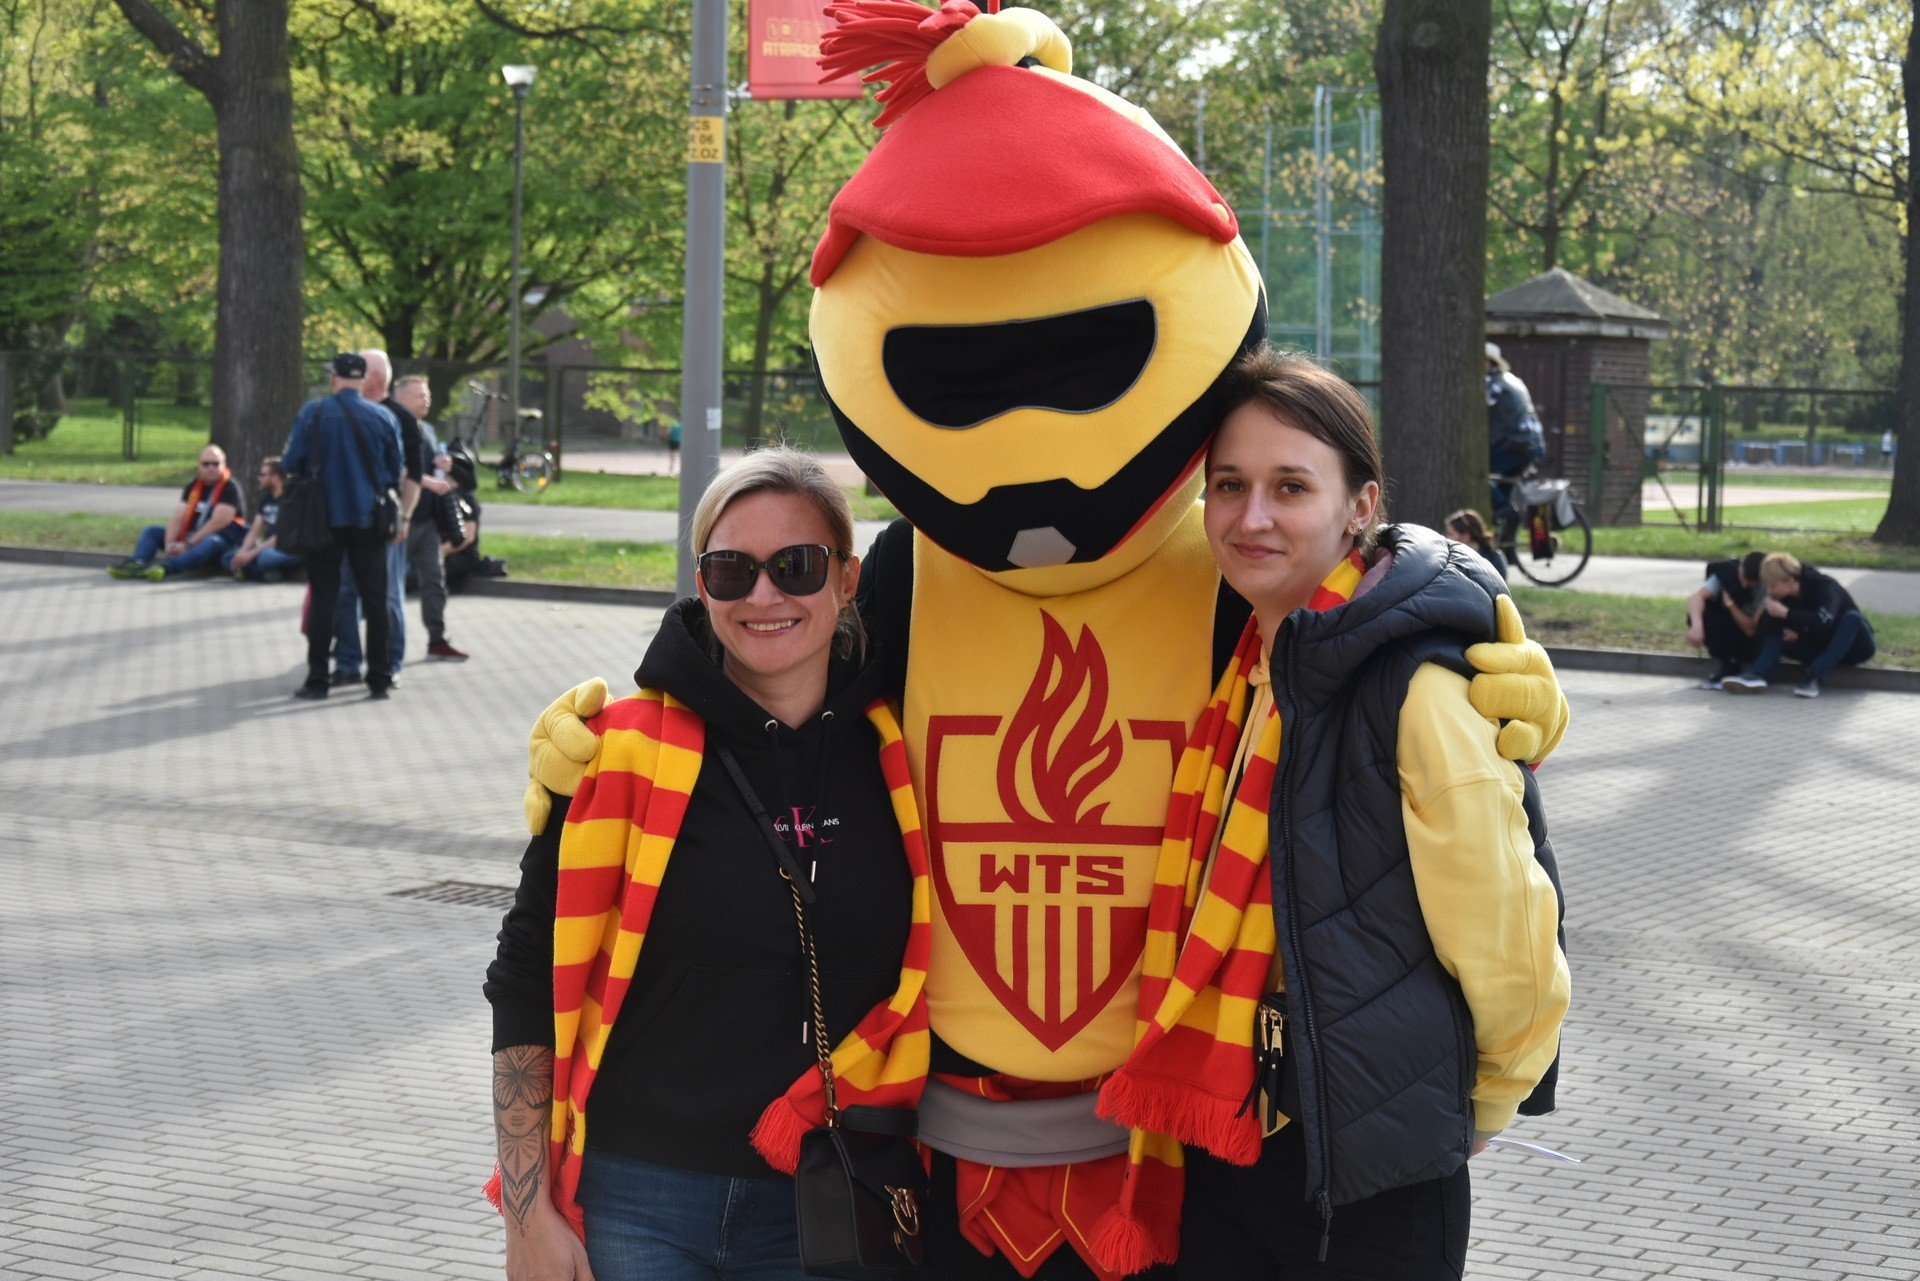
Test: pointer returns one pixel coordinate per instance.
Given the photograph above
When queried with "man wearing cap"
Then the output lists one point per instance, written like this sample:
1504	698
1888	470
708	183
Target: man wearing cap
352	446
416	453
1514	438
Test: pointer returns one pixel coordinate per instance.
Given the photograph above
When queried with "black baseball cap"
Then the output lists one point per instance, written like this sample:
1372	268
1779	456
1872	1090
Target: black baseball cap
348	364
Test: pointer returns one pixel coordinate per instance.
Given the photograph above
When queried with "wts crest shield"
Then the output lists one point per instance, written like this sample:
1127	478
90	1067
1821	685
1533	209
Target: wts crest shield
1048	898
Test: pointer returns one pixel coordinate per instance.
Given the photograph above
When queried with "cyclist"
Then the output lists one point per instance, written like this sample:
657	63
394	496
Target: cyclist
1515	440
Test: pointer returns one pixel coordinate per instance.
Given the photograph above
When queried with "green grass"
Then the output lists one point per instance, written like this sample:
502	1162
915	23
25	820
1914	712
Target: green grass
539	558
71	531
1855	515
638	493
1600	620
1670	542
547	559
1688	481
86	447
1554	616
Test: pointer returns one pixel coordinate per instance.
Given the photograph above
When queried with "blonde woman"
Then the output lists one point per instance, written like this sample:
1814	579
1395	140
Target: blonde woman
651	956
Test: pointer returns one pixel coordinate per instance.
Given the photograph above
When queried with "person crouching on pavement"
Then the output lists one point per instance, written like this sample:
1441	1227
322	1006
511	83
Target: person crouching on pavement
258	558
1723	615
1807	617
210	521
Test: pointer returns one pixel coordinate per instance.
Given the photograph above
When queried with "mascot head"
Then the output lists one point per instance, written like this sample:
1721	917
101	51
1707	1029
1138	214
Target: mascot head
1026	299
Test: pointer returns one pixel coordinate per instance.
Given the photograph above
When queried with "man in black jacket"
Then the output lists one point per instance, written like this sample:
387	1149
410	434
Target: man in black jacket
1807	617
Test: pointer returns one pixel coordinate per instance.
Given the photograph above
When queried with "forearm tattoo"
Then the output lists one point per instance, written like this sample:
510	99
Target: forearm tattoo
522	1114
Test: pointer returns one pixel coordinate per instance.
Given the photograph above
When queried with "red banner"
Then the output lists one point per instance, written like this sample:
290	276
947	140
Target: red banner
783	39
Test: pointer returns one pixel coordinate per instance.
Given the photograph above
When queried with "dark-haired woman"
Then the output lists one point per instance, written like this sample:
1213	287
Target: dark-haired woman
651	959
1465	526
1367	983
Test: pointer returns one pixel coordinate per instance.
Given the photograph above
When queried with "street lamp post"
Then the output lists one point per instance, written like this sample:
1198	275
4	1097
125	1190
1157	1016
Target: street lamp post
519	79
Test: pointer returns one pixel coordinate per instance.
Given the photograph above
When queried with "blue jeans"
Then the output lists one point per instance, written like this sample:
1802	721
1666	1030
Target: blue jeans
154	538
1851	643
648	1222
269	560
346	614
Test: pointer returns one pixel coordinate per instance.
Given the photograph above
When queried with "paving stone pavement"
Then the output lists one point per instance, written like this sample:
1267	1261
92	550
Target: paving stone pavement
231	1051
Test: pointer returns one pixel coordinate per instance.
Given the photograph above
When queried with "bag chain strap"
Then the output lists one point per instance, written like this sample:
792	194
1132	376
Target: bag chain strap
812	952
790	872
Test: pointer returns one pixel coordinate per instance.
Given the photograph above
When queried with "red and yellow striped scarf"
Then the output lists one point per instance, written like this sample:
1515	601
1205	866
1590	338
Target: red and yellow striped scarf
619	833
200	487
1208	953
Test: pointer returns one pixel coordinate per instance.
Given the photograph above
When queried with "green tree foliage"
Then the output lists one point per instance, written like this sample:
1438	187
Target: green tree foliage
407	144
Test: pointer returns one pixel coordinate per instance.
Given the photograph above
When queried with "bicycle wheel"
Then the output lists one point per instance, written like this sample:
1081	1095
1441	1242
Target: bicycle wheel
1565	555
532	472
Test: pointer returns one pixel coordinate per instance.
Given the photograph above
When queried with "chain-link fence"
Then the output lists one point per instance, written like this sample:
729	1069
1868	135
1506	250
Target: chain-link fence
1700	439
128	404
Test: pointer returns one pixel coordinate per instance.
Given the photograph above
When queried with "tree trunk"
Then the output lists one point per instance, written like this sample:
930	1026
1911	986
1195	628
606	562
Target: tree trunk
1431	60
1902	521
259	377
762	349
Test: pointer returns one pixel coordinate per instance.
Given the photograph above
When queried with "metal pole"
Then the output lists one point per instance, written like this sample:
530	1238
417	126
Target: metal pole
703	316
1266	192
1323	222
1597	411
1200	130
515	287
6	402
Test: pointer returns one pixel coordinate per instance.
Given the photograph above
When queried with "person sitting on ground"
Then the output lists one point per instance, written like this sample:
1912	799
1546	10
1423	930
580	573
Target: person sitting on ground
1466	526
1723	615
258	558
210	521
1807	617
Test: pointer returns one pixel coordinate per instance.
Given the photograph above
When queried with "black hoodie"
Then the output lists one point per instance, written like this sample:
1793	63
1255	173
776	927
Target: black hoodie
713	1026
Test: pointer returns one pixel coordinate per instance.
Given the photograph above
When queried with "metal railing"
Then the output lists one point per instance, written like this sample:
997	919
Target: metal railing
1711	427
584	406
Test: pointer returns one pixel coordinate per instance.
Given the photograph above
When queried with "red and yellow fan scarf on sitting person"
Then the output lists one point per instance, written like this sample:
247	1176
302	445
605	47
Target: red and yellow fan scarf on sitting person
1209	951
212	490
619	834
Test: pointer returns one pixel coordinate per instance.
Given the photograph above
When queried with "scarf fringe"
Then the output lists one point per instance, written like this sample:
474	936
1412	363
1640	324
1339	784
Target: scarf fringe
1180	1111
1123	1242
776	1135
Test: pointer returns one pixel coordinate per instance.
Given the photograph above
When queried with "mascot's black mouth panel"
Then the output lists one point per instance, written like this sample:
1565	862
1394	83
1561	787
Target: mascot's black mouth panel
1059	522
959	376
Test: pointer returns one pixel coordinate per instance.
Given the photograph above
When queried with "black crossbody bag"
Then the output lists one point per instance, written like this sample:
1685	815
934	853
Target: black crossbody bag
859	1184
386	498
304	527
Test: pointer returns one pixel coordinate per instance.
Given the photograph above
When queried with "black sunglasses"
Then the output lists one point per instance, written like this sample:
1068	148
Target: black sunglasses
799	570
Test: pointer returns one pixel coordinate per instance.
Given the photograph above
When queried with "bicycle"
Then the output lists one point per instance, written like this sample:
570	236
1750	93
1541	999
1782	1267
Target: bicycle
526	466
1559	537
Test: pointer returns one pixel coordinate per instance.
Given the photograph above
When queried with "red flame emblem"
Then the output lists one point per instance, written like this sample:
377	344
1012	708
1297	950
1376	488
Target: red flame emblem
1067	760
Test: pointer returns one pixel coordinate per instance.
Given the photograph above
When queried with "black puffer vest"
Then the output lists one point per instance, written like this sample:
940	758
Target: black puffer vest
1379	1034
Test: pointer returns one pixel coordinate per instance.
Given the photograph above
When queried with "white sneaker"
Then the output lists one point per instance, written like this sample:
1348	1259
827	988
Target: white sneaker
1744	683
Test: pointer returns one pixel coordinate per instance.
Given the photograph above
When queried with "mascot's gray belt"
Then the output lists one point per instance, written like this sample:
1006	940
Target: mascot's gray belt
1018	1133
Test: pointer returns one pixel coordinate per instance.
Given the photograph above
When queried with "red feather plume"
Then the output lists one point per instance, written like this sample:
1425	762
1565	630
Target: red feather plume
898	33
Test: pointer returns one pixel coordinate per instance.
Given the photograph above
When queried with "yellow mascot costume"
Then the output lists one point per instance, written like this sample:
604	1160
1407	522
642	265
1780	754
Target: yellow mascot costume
1026	301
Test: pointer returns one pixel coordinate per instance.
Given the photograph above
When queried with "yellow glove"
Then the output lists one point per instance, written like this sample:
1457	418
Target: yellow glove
559	748
1515	684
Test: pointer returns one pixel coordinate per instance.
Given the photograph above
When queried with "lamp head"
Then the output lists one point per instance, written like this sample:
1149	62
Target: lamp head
518	78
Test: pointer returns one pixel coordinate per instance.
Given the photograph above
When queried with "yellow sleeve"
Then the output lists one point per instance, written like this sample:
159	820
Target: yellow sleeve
1489	907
